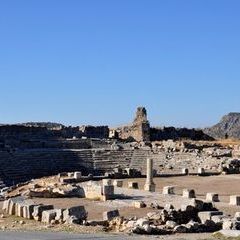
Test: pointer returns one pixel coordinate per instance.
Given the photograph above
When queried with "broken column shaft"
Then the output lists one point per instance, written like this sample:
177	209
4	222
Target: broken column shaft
149	185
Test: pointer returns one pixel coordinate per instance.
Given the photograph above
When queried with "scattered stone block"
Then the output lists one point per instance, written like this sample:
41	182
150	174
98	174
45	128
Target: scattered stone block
168	190
59	215
180	229
231	224
12	204
28	210
118	170
201	171
234	200
118	183
237	216
189	193
168	207
107	182
204	216
63	174
185	171
108	191
133	185
212	197
6	204
37	211
139	204
109	215
48	216
70	174
76	214
171	224
77	175
218	219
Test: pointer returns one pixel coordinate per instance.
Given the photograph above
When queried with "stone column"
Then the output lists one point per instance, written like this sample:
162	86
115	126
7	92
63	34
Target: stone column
149	185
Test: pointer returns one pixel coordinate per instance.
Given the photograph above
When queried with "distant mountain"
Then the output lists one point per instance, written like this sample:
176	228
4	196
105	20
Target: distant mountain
228	127
48	125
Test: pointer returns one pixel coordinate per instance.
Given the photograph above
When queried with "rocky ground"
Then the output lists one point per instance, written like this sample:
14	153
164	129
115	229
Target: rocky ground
224	185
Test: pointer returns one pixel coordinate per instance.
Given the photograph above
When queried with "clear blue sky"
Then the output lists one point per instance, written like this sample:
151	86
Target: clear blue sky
94	62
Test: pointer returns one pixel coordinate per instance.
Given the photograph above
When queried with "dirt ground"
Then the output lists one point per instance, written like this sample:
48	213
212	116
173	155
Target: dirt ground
224	185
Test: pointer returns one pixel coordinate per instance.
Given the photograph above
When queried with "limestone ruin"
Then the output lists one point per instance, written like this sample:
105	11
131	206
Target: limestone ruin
121	171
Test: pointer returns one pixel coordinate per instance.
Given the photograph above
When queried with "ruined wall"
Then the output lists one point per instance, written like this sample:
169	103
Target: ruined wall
140	128
165	133
94	131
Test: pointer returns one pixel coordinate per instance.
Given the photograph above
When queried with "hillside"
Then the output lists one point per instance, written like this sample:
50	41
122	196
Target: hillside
228	127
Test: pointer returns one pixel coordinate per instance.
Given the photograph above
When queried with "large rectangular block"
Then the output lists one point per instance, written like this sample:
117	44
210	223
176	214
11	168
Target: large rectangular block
77	175
28	210
109	215
37	211
168	190
12	204
108	190
118	183
234	200
6	204
212	197
48	215
204	216
106	182
78	212
189	193
133	185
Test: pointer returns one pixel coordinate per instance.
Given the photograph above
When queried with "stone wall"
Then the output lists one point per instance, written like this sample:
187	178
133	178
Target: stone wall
165	133
94	131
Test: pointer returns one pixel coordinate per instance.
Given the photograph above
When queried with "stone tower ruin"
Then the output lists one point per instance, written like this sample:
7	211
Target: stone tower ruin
139	130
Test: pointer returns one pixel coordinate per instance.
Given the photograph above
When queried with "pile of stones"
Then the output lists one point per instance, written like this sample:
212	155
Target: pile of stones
21	207
197	216
231	166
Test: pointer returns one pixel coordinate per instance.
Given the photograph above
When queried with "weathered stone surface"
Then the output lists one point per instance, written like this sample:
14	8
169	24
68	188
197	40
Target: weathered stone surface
20	207
48	216
185	171
149	184
189	193
77	175
133	185
168	190
231	224
107	182
204	216
212	197
118	183
237	216
59	215
171	224
12	204
180	229
76	214
201	171
37	211
234	200
139	204
109	215
28	210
